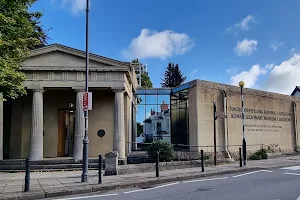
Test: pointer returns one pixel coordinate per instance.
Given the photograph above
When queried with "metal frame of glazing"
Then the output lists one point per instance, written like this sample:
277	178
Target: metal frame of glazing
178	107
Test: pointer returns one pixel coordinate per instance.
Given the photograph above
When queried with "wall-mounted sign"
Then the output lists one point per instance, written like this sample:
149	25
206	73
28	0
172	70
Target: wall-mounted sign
87	101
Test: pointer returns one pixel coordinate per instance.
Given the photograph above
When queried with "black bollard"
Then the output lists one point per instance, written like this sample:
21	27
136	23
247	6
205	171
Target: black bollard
202	161
157	164
27	175
100	169
240	152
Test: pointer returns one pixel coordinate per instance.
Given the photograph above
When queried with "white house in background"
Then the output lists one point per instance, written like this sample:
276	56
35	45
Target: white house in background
158	124
296	91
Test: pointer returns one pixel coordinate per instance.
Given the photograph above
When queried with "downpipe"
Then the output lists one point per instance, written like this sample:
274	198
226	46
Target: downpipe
296	124
225	123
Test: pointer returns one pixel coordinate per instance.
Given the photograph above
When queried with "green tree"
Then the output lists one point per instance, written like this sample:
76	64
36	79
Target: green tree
20	31
146	81
139	128
173	76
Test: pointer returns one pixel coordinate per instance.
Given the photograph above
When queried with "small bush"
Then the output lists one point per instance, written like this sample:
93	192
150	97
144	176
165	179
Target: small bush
254	156
259	154
206	156
165	149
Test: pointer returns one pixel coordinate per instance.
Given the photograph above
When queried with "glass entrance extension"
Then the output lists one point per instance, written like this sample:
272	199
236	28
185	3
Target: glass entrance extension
162	114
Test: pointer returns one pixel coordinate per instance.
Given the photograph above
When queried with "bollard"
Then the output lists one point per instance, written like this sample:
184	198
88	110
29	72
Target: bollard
240	152
202	161
100	169
157	164
27	175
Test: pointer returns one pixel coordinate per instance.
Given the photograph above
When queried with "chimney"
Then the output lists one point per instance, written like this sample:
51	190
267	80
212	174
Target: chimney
164	106
152	112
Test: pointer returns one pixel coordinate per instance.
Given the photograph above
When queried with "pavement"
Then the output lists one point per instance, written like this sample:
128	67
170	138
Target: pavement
57	184
275	184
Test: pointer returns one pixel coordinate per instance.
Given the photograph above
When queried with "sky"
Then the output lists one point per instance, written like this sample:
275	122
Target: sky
222	41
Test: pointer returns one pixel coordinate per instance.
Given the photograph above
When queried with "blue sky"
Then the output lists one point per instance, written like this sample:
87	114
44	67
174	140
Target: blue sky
223	41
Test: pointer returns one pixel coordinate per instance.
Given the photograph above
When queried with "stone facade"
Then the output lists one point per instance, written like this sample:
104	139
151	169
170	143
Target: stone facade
270	118
42	120
49	121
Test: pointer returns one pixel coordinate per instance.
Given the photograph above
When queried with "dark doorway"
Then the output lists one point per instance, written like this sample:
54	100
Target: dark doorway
7	109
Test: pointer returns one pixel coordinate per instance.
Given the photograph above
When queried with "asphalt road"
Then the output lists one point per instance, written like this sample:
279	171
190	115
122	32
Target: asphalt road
275	184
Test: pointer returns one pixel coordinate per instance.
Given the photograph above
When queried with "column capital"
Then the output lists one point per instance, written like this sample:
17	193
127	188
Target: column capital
79	90
38	90
118	90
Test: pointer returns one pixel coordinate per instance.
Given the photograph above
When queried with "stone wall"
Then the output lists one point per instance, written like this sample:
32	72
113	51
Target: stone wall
100	117
269	117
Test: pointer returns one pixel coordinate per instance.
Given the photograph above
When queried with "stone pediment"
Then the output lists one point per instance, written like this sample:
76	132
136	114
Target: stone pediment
63	58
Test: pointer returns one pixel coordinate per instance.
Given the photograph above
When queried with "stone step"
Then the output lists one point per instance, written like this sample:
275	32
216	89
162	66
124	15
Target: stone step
45	162
43	170
61	167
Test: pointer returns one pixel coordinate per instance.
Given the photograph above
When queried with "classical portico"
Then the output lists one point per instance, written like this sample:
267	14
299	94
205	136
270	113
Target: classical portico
49	121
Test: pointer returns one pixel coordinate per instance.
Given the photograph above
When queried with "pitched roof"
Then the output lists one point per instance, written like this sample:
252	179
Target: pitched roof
297	88
76	52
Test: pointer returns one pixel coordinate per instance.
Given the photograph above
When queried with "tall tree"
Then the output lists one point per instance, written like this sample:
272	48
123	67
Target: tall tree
146	81
173	76
20	31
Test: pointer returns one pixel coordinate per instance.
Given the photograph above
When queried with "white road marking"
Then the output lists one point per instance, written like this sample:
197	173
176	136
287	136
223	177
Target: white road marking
200	180
292	167
245	174
160	186
292	174
263	170
93	196
298	198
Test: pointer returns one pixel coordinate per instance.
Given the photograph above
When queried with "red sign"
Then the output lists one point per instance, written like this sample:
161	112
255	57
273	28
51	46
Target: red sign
85	101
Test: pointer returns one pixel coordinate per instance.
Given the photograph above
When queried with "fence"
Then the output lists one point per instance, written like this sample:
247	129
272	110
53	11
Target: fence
191	152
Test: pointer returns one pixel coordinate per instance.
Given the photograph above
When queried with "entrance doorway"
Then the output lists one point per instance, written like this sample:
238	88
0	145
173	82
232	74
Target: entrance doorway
66	131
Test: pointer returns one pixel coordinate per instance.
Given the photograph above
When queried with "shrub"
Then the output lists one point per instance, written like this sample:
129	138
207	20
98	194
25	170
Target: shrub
166	151
206	156
259	154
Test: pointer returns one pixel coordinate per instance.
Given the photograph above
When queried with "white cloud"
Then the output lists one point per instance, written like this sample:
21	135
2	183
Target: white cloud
194	73
249	77
245	47
232	70
292	51
284	77
162	45
243	25
75	5
275	45
270	66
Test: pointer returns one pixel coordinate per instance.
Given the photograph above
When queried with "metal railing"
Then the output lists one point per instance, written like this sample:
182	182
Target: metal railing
192	152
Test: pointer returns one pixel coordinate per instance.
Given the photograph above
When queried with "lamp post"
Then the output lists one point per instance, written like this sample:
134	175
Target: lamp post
242	84
85	162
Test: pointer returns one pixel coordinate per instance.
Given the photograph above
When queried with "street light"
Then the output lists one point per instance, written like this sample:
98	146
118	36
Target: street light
85	161
242	84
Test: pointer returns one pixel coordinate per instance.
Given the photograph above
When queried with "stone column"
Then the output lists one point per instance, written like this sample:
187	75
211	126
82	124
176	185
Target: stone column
134	128
1	126
36	135
119	127
79	127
